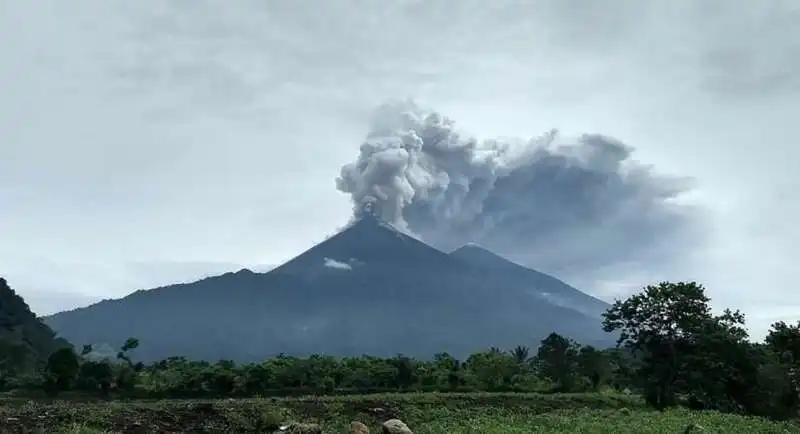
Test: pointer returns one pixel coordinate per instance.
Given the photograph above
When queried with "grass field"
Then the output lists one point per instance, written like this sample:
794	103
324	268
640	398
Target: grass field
424	413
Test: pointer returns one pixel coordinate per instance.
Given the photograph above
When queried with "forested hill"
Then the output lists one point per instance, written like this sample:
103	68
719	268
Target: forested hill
25	341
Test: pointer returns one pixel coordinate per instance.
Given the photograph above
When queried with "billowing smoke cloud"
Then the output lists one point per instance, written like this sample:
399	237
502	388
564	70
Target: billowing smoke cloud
556	204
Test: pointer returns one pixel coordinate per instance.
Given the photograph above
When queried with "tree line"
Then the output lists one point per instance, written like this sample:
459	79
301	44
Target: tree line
672	350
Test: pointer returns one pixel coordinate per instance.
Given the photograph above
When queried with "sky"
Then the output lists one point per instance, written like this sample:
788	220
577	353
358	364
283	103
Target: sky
147	143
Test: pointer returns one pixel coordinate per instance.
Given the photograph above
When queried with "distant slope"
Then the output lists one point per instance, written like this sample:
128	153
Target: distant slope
25	341
368	290
539	284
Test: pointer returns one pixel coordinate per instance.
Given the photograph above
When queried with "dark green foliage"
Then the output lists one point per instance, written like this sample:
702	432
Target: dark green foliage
62	370
25	341
521	353
557	360
681	350
96	376
14	358
783	370
659	324
594	365
130	344
672	350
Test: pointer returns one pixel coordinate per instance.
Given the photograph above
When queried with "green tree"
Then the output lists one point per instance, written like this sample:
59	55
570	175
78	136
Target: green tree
593	364
129	345
404	367
556	360
679	345
451	376
521	354
125	375
653	323
783	341
493	370
62	369
15	358
718	367
95	375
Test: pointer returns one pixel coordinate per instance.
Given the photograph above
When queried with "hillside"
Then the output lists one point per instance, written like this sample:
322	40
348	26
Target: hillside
538	284
25	341
370	289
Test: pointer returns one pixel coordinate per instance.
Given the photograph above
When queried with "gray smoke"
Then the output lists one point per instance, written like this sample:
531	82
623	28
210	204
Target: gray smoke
559	205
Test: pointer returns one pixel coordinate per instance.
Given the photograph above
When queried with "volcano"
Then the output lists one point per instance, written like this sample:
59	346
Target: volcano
370	289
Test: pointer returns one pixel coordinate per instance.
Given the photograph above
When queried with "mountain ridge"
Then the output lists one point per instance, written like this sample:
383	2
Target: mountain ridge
565	294
25	340
369	289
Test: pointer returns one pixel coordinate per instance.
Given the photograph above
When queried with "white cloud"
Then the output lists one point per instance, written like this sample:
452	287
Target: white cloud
332	263
170	132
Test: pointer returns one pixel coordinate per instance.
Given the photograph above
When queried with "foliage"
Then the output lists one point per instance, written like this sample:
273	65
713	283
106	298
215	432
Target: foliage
672	350
263	415
425	413
681	349
25	341
557	360
62	369
604	421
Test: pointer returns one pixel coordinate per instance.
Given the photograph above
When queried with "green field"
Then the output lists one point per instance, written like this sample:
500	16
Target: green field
424	413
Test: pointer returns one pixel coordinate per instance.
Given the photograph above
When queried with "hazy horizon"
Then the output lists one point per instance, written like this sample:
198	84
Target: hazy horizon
144	144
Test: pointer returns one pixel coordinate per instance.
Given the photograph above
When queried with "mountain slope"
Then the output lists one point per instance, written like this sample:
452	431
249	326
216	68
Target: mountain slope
543	285
368	289
25	341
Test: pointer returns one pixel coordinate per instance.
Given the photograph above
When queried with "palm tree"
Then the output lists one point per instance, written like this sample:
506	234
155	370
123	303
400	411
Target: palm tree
521	354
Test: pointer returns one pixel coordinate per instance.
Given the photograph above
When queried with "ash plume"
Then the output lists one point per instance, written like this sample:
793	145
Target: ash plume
560	205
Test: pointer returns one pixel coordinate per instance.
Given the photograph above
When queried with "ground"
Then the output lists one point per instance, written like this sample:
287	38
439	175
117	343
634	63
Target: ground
425	414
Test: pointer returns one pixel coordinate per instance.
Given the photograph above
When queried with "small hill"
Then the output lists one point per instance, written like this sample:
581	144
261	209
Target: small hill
370	289
25	341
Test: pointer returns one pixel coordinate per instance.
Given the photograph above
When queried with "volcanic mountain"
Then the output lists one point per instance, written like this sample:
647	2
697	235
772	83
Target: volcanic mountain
370	289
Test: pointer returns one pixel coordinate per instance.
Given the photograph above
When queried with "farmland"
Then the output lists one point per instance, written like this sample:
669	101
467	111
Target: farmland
430	413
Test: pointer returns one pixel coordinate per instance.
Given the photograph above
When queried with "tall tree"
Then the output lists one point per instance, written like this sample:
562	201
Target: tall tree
783	340
62	369
594	365
556	360
521	353
658	324
718	365
493	369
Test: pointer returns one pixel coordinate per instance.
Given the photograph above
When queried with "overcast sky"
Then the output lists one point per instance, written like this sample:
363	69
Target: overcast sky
144	143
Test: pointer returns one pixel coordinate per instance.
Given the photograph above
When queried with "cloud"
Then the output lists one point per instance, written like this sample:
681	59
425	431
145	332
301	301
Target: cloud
562	204
332	263
149	132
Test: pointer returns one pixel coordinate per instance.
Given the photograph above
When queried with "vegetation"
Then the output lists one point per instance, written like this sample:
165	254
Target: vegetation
425	413
25	341
673	351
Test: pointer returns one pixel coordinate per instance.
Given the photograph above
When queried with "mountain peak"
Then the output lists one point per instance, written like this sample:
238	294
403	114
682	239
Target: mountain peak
472	247
366	240
473	252
370	219
366	217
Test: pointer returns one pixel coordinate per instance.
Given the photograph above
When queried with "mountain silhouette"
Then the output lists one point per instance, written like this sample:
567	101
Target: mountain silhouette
370	289
536	283
25	341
